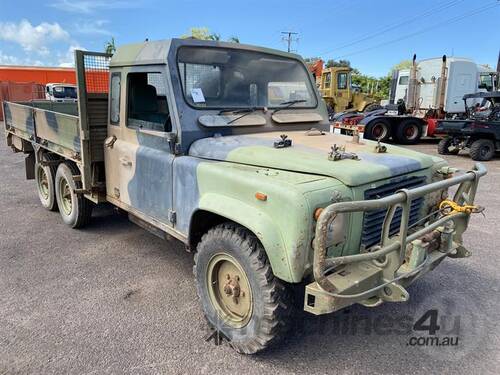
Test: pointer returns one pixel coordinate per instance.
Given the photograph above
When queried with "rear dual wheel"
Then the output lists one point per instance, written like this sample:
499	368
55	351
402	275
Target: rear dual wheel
45	174
409	132
74	208
378	130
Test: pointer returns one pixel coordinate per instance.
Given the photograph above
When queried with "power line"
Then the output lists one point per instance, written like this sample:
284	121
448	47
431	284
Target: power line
289	38
441	24
418	17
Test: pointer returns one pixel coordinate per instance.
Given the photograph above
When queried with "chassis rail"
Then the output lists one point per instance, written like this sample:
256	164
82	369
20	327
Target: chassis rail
465	193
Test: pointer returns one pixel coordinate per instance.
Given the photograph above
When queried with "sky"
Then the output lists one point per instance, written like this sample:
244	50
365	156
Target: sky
372	35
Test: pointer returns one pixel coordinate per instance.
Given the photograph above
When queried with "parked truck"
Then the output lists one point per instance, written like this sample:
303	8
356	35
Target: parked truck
60	92
439	85
431	90
181	134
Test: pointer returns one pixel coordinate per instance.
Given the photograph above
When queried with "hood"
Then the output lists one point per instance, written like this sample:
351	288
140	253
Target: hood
309	154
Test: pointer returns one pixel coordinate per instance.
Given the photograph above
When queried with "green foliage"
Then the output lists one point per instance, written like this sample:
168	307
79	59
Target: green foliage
403	64
311	59
204	33
109	46
335	64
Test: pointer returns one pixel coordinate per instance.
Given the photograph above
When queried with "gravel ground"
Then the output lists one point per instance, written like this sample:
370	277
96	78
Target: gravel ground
114	299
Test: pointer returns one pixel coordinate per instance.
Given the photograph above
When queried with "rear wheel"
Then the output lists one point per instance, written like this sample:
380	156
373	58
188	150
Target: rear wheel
409	132
446	147
482	150
75	209
239	294
378	129
44	177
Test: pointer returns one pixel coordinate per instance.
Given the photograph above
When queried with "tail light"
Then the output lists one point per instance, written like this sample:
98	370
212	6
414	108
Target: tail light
352	120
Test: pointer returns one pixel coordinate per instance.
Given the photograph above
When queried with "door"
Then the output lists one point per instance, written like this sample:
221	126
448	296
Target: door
343	96
137	153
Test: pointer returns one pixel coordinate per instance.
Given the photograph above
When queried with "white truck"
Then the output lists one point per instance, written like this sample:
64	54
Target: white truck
61	92
423	93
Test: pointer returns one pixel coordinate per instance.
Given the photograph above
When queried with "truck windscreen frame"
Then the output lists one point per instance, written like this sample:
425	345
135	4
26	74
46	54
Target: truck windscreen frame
225	78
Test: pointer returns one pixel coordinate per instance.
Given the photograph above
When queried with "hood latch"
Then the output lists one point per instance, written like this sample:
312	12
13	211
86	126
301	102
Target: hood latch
284	142
339	153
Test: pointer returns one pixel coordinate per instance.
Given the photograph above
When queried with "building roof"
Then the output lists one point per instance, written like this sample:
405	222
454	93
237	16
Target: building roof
27	67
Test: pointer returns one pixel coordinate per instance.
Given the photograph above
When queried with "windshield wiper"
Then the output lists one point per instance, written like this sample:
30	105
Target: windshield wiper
245	111
288	104
236	110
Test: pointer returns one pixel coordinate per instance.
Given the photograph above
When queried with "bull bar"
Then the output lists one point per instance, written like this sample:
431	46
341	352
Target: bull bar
323	265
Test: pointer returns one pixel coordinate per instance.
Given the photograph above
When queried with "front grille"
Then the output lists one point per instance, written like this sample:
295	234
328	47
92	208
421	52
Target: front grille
373	220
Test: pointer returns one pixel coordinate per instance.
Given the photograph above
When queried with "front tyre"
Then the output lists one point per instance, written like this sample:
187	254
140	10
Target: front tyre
75	209
239	294
446	147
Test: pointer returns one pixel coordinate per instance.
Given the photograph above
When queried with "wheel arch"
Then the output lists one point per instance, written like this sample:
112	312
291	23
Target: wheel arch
216	209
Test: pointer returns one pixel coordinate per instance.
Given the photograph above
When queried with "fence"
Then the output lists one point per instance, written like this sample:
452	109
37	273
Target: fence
15	91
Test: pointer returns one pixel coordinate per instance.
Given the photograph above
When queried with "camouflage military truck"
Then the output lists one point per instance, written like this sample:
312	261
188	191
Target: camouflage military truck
225	148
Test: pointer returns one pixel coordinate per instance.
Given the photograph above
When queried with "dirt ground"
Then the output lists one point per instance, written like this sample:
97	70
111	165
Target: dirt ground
114	299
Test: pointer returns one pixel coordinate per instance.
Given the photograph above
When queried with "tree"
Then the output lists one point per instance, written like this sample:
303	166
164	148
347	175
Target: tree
214	36
334	64
201	33
403	64
311	59
204	33
110	46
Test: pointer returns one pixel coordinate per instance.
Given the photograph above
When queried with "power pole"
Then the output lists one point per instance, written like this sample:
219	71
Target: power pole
289	38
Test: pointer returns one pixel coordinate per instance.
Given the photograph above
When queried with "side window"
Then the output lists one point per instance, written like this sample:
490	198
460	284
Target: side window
328	80
147	106
114	116
403	80
342	81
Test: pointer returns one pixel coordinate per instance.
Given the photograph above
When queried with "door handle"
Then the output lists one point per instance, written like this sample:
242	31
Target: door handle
125	161
110	141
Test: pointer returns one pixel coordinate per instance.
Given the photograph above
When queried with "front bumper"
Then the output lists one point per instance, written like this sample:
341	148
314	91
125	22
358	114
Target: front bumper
382	272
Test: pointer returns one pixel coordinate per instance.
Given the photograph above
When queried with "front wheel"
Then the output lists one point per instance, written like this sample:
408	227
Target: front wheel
239	294
74	208
446	147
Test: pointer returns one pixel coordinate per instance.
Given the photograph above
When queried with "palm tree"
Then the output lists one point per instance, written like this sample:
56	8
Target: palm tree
214	36
234	39
110	47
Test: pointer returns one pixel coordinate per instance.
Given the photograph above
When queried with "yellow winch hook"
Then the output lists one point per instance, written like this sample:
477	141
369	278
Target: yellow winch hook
448	207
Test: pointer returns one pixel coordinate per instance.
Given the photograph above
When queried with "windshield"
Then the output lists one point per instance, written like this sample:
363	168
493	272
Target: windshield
64	92
220	78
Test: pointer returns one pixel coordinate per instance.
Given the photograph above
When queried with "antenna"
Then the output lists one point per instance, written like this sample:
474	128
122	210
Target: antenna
289	38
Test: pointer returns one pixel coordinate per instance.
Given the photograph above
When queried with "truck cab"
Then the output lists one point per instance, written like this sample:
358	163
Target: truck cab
61	92
338	92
